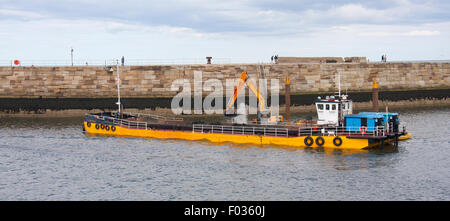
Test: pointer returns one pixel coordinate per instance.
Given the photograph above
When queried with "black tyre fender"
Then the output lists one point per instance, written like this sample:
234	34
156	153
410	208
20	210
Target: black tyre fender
88	124
113	128
309	141
97	126
107	127
337	141
102	126
320	141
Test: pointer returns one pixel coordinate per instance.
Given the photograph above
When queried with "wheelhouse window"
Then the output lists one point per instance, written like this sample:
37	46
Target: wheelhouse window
333	107
327	107
320	106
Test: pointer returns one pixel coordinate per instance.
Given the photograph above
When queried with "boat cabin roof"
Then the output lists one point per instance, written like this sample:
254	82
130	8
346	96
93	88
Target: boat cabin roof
332	99
363	116
327	101
378	113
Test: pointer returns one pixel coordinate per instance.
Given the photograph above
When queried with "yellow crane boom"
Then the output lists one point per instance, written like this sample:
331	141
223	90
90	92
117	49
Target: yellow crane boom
242	82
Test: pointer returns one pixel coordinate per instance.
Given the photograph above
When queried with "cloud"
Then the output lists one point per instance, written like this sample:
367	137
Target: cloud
13	14
357	13
92	26
409	33
198	27
249	16
397	12
421	33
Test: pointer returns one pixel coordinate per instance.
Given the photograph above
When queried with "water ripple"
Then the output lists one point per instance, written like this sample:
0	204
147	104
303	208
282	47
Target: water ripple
50	159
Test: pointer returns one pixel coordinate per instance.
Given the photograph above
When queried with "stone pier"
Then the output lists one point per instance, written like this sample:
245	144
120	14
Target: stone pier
155	81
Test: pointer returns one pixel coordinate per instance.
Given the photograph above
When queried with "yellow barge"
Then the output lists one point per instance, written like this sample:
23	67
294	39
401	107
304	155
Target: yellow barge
150	126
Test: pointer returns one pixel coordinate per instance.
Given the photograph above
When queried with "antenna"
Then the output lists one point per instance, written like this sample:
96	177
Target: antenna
387	117
339	84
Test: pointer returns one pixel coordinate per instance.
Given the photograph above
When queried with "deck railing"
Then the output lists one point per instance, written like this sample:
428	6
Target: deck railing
120	122
240	130
346	131
130	124
284	132
155	117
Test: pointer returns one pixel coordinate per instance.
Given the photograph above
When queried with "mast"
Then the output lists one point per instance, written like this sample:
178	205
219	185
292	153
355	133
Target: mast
118	84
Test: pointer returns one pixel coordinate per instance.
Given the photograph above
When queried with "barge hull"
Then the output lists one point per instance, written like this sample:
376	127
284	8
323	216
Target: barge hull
347	143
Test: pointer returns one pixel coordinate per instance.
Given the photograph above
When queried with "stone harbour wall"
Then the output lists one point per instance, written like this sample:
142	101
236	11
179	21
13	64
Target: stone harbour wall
155	81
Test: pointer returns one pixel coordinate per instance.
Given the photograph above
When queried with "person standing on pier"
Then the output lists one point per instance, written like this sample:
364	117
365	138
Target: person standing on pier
123	60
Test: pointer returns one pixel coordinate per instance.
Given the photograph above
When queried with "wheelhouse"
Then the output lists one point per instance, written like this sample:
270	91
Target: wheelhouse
330	111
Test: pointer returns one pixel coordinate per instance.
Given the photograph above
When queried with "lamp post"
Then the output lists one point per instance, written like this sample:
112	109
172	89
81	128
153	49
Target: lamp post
71	55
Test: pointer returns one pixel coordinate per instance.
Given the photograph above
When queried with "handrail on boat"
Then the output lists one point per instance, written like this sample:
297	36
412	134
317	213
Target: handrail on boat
121	122
240	130
376	131
157	117
302	131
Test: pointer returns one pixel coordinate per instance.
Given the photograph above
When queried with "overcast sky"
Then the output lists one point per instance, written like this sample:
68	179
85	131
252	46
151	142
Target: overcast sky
251	30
